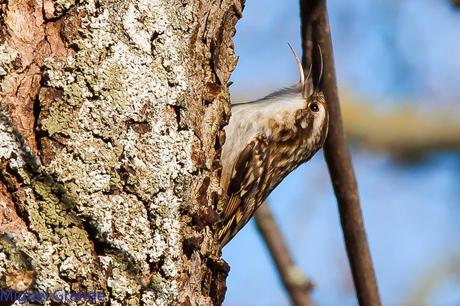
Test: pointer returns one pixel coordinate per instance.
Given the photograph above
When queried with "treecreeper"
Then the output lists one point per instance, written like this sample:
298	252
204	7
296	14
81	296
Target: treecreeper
265	140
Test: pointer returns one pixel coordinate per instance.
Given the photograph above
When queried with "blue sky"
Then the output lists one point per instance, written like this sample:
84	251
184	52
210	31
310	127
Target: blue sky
390	52
386	49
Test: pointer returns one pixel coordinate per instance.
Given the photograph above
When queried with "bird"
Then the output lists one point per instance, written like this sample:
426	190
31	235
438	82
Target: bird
266	139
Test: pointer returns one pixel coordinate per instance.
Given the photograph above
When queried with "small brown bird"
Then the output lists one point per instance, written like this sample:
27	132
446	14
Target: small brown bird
265	140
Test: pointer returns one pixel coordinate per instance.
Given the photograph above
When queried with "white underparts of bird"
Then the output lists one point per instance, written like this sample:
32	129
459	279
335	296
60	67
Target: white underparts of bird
265	140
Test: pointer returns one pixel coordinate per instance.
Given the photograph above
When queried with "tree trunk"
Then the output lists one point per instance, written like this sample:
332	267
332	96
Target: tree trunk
110	135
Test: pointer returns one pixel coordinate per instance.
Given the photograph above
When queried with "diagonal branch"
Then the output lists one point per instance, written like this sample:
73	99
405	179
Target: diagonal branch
316	30
295	282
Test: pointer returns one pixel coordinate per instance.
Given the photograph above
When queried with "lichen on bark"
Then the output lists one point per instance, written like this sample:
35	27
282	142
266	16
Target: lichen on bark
110	160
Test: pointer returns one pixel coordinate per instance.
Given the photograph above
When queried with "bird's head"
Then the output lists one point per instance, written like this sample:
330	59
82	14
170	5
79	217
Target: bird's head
316	108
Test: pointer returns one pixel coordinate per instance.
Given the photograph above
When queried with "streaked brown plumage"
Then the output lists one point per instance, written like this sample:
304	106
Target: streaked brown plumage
266	140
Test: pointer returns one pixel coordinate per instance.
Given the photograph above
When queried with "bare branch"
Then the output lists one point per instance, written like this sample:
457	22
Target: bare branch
294	280
456	3
401	131
315	30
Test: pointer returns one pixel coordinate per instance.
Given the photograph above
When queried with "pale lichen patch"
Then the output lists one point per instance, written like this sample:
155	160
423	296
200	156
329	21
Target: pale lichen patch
8	56
119	120
115	87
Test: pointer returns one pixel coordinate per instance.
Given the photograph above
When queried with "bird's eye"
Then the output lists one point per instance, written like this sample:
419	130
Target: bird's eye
314	107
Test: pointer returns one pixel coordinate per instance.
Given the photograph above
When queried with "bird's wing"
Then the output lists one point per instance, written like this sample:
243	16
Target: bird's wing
243	190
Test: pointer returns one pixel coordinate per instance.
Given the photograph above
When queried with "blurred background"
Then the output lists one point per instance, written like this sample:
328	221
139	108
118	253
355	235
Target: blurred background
398	68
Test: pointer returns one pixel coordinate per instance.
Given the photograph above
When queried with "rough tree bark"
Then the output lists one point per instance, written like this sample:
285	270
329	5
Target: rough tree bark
110	134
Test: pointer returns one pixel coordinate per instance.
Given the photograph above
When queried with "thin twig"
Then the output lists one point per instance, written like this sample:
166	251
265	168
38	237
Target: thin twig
315	30
294	280
456	3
